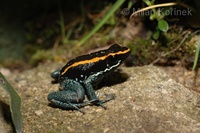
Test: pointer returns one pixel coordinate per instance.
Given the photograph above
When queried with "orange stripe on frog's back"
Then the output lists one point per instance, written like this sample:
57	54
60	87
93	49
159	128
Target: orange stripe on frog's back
95	59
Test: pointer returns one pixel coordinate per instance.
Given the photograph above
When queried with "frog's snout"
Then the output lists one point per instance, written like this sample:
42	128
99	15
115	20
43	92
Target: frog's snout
56	74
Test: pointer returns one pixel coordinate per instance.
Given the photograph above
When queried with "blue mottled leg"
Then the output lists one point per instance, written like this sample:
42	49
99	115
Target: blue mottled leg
69	105
65	105
90	91
91	80
63	100
71	97
92	96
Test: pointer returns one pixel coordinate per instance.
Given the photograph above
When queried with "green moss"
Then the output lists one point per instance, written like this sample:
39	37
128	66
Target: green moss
170	46
40	56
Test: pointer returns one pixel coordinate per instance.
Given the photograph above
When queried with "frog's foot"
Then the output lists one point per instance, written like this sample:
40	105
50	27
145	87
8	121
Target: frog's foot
71	105
68	105
108	98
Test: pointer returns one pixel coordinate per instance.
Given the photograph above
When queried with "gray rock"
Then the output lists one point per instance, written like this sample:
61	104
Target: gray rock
147	102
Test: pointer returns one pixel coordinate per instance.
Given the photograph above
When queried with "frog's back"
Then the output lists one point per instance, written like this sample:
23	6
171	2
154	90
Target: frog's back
98	62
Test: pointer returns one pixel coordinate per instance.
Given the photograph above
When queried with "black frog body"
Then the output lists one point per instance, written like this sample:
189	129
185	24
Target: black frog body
79	75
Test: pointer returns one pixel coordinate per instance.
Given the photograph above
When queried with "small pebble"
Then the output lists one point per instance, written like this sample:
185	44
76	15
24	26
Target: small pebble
38	112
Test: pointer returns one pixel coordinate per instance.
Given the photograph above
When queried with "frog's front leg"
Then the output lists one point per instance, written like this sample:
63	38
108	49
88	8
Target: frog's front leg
91	80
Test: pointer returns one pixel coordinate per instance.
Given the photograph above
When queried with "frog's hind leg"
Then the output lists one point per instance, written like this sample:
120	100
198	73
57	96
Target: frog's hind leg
63	100
67	99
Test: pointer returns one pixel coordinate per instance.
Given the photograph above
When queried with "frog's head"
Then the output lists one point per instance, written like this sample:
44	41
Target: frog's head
56	75
117	54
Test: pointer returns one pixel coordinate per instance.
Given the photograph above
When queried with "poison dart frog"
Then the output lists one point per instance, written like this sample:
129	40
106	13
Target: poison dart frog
79	75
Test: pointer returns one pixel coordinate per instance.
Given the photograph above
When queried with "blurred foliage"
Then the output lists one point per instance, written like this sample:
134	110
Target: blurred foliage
108	15
65	26
15	104
180	13
196	55
53	28
176	45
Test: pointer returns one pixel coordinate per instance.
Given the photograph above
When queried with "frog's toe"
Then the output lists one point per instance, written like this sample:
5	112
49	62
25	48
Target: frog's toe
101	102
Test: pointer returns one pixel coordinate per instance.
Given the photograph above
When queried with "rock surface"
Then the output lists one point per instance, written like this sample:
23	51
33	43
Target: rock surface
147	102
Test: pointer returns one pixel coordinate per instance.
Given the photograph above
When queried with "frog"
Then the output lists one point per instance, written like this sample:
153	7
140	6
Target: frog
79	76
